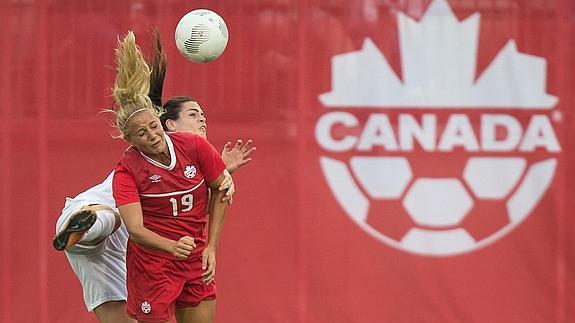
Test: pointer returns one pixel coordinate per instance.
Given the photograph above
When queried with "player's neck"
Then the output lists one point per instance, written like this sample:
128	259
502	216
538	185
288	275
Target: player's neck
163	158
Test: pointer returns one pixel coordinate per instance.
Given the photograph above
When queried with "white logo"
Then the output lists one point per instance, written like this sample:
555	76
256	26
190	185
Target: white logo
146	307
438	60
190	171
155	178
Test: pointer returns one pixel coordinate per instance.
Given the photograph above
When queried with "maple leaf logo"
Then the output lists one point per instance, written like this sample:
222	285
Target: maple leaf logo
438	61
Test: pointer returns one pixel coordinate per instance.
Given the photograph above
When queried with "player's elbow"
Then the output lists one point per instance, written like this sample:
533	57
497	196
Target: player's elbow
136	233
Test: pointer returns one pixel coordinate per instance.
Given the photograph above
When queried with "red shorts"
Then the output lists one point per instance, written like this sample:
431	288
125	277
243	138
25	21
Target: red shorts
157	285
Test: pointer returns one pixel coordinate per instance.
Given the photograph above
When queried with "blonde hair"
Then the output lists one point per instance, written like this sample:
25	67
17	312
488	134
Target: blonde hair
132	82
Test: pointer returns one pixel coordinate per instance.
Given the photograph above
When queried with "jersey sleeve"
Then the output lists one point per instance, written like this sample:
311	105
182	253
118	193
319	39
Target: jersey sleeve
210	161
124	186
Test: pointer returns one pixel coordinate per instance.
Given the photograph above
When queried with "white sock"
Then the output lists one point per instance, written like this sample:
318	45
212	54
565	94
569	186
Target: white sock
103	227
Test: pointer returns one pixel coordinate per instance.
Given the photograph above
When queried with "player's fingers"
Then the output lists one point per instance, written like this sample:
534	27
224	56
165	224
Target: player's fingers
248	153
181	253
238	144
226	148
209	277
184	247
188	238
188	241
247	146
244	161
210	271
226	183
204	262
229	193
231	190
184	252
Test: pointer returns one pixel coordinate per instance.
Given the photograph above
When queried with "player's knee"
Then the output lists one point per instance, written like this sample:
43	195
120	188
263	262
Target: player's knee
112	312
110	221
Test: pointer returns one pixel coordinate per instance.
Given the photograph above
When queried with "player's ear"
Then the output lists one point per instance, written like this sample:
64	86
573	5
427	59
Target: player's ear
171	125
127	138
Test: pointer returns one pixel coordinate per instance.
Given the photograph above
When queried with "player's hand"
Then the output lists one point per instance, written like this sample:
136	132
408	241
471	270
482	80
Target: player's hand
209	265
183	247
228	186
239	155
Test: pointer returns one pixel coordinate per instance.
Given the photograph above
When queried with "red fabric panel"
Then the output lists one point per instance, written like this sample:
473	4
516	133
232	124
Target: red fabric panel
291	251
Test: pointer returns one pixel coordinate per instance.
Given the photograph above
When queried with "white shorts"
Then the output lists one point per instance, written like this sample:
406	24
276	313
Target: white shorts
101	269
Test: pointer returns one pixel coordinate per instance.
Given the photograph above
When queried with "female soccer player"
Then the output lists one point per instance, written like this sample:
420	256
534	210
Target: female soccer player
90	230
160	187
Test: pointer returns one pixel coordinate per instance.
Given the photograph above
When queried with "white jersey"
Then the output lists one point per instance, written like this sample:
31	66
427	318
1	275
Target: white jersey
101	269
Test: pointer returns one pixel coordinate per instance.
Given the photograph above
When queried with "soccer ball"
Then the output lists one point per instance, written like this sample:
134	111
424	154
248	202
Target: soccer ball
201	36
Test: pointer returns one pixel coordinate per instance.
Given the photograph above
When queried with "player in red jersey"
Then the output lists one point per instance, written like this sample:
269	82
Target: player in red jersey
161	190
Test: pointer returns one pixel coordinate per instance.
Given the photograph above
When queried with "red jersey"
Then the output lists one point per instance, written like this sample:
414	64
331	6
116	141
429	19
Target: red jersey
174	198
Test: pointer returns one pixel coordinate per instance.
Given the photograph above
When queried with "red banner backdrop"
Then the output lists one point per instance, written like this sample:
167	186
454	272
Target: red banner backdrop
415	158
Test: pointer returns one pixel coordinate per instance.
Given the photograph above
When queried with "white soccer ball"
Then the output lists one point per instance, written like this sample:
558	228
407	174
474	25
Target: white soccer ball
201	36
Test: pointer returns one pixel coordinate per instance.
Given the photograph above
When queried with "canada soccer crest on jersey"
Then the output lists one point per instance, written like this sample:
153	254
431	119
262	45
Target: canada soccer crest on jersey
146	307
190	171
441	160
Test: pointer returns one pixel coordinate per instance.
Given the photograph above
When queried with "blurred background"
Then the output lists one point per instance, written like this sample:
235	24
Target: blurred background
294	248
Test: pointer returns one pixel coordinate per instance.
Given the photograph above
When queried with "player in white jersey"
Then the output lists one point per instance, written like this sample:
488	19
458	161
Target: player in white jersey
97	255
90	231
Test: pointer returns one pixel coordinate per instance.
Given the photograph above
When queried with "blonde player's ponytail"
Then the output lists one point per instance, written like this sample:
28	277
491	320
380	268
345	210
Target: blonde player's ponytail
132	82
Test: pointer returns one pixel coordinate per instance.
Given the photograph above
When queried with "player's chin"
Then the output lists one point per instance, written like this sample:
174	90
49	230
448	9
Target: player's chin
158	148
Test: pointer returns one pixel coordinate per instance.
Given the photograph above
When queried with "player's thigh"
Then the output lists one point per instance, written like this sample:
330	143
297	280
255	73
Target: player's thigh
102	275
203	313
112	312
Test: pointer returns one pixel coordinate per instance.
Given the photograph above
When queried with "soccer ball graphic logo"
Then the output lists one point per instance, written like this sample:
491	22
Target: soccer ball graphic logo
452	177
201	36
437	207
